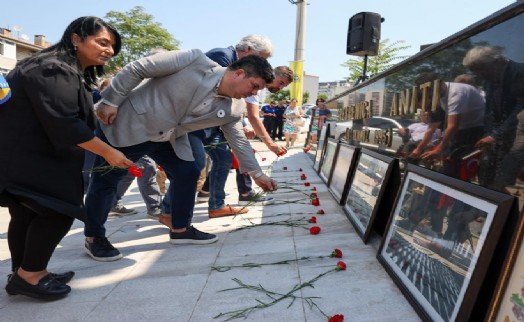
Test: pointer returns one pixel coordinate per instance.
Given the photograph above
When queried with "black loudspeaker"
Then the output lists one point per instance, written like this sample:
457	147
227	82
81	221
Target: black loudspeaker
364	34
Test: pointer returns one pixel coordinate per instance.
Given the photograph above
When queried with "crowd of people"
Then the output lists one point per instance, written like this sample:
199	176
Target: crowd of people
149	126
180	114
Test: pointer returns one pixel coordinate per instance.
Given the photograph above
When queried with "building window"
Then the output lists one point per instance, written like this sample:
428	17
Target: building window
7	49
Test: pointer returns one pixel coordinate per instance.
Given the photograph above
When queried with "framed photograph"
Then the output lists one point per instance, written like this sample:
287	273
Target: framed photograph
324	135
343	166
507	303
326	164
440	240
366	188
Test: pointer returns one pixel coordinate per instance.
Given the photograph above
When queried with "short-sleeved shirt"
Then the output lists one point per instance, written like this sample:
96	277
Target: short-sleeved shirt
464	100
268	109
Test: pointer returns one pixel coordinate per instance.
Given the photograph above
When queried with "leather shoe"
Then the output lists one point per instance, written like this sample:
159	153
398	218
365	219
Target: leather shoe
227	210
63	278
48	288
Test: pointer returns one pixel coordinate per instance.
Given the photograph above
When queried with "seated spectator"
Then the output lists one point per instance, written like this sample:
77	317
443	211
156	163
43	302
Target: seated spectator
413	134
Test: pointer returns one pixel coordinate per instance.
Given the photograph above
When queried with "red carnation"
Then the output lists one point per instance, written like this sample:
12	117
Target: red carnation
313	195
284	168
321	212
300	169
315	230
313	220
160	168
336	318
135	171
254	151
307	184
303	177
314	188
307	148
341	266
315	202
263	159
336	253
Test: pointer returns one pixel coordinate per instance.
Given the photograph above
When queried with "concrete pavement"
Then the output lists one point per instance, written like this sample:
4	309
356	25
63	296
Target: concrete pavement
157	281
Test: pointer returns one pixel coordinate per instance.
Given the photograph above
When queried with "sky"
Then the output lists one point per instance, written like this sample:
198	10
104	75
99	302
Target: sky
206	24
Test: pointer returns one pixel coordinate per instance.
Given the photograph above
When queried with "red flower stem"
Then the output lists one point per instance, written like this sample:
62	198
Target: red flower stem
256	265
271	294
301	222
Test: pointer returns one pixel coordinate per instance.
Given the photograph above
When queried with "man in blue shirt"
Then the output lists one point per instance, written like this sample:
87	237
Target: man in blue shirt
268	112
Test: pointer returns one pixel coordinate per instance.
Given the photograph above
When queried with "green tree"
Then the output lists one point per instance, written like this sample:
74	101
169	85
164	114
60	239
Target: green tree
305	97
388	55
140	33
281	95
324	96
284	95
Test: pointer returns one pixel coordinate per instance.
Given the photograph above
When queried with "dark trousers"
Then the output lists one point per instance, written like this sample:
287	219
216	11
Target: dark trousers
462	144
33	236
244	183
89	160
102	189
278	129
269	124
197	148
147	185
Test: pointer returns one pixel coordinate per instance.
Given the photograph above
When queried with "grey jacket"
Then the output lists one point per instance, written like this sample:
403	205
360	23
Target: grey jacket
167	90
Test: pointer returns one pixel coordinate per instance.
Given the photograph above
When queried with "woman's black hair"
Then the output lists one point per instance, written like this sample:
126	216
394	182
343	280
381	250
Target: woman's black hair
83	27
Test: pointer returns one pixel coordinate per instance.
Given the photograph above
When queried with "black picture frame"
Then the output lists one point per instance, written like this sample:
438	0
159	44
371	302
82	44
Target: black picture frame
344	164
326	165
440	240
366	190
322	138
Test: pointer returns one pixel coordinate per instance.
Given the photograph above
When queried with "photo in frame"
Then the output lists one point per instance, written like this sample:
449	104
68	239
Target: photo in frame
326	164
324	135
507	303
344	163
366	190
440	239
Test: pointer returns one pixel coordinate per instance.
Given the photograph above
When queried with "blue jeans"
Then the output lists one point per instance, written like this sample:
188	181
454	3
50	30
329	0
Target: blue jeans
89	160
102	188
197	147
222	159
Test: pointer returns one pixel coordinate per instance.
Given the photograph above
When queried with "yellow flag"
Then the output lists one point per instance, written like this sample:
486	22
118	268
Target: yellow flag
296	87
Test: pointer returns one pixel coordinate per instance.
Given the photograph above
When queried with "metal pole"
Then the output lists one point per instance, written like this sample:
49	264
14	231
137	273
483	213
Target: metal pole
300	30
297	65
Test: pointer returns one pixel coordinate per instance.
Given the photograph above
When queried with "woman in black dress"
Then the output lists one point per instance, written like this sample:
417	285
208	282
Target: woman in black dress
44	128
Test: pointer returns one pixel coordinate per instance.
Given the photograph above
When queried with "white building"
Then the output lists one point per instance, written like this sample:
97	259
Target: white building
13	49
331	89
